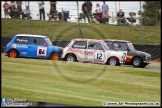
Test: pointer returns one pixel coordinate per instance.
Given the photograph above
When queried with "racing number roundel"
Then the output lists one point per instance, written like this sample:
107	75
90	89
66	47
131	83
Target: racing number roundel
99	56
41	51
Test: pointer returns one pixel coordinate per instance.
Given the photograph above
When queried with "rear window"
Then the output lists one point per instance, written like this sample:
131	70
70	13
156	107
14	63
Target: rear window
80	44
22	40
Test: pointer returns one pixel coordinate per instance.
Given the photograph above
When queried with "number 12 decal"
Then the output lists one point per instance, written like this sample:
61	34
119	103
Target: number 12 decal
41	51
99	56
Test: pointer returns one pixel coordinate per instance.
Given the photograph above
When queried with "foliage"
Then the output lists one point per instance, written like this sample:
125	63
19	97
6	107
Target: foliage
151	12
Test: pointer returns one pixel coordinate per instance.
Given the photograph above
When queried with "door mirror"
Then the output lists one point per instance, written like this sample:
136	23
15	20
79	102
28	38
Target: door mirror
103	50
45	45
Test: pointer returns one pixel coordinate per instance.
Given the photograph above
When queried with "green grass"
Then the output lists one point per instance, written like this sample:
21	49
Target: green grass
82	84
67	31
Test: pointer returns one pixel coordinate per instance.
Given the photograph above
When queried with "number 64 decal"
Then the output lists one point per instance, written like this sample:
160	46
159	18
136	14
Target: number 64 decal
99	56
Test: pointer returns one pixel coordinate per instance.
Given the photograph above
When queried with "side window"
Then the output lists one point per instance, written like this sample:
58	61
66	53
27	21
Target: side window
80	44
95	46
109	44
37	41
22	40
120	46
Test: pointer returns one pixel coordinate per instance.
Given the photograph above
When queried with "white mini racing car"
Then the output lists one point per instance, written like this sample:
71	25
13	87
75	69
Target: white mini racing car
92	51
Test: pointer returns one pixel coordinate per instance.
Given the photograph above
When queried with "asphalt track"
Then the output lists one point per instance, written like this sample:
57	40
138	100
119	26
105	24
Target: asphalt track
147	67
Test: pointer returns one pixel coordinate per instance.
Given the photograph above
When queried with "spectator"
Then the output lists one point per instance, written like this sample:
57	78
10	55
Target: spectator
12	3
41	9
6	7
26	13
13	13
88	9
132	17
105	9
19	7
84	10
52	14
98	9
53	3
105	18
66	15
120	17
98	13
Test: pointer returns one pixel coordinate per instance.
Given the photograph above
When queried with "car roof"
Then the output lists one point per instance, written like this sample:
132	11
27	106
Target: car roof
116	40
32	35
80	39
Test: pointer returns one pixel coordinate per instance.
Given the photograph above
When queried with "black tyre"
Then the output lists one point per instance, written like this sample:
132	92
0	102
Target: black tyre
70	58
54	56
13	54
137	62
113	61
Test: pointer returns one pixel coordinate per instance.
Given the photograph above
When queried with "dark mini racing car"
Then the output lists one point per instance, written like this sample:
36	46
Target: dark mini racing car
134	57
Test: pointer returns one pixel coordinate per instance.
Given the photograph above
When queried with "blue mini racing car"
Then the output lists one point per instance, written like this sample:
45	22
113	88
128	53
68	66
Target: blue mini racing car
32	46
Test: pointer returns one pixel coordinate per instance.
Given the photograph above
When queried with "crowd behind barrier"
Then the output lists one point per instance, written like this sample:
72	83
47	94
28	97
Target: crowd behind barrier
154	50
70	17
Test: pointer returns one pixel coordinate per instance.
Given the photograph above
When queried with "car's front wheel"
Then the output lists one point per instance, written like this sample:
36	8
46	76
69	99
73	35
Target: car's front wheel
70	58
113	61
13	54
137	62
54	56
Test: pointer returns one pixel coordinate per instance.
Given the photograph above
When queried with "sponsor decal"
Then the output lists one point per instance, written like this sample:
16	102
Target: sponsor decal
13	45
78	46
81	51
21	46
22	40
24	52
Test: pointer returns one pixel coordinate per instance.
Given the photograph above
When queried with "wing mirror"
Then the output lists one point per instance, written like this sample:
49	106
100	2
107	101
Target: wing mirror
45	45
103	50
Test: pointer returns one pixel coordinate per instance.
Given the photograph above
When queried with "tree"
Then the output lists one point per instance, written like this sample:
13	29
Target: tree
150	12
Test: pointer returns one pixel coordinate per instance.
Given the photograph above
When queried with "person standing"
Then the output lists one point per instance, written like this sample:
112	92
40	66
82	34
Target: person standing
84	10
19	6
98	9
6	7
105	9
88	9
41	9
53	4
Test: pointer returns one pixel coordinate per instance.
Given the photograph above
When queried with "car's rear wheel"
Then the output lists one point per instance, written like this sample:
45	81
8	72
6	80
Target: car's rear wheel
113	61
54	56
137	62
13	54
70	58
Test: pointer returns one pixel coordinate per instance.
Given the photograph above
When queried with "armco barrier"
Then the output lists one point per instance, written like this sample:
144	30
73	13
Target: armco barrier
154	50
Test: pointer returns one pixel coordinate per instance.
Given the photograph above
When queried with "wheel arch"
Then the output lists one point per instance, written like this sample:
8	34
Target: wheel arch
112	57
72	54
15	50
53	52
136	57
